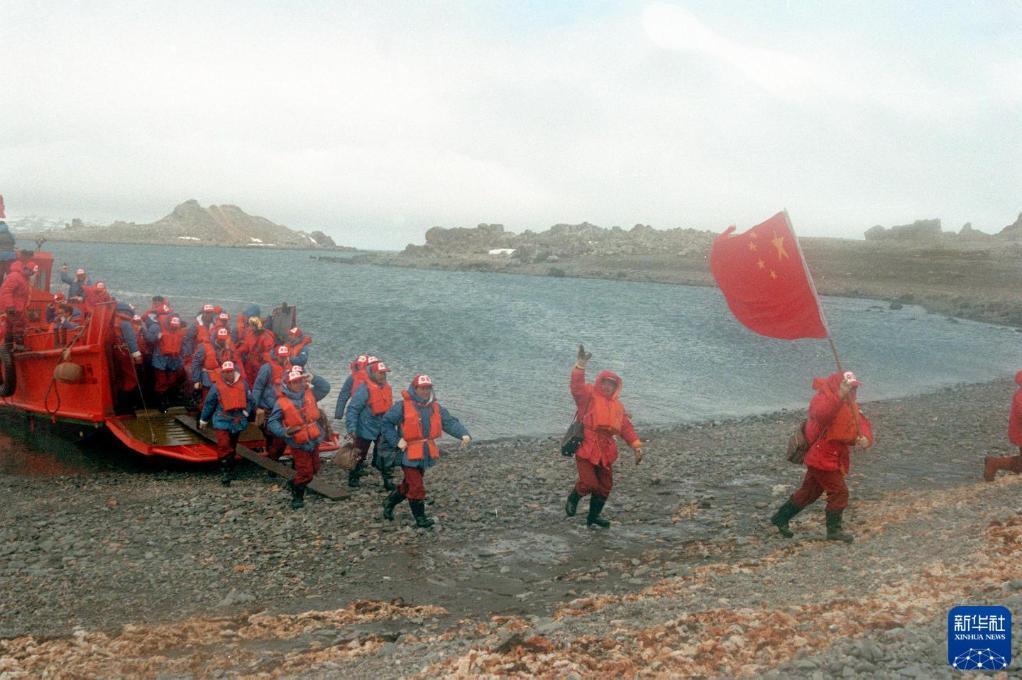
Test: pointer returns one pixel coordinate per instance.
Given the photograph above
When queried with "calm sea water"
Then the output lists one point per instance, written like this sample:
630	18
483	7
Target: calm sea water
500	347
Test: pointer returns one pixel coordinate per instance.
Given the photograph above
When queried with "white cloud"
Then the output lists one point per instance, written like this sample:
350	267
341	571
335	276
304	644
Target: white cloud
377	122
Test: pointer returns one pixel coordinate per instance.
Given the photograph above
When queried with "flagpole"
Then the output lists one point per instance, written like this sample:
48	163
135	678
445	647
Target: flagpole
812	286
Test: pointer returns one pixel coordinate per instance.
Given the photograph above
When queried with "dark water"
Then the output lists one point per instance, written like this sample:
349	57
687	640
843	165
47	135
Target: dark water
500	347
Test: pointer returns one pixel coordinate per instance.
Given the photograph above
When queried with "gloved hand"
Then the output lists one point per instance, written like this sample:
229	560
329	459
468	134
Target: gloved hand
464	441
637	449
203	424
260	418
583	357
402	444
136	357
863	442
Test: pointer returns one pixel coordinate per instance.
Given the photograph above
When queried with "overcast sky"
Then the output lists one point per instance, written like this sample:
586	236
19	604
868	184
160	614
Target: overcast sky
376	120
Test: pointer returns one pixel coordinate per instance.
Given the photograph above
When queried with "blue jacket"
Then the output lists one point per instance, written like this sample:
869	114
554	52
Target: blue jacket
343	397
128	333
263	393
75	287
275	423
232	421
395	416
151	330
360	419
320	387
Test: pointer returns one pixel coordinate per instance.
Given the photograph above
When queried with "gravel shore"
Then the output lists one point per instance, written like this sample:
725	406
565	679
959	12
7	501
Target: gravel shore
163	572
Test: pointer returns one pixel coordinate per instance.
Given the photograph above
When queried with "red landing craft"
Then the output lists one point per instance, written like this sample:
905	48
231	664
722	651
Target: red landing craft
82	393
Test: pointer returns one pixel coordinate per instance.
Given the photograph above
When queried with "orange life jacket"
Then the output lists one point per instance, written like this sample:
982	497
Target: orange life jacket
214	355
411	429
359	376
381	397
606	415
845	426
202	334
171	341
307	419
233	396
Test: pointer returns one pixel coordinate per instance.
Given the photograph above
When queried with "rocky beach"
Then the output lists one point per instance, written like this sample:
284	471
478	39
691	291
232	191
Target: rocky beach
161	572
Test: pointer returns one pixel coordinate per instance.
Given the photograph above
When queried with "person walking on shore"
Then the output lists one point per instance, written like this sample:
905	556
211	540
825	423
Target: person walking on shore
369	403
835	424
412	426
295	419
991	464
603	417
227	406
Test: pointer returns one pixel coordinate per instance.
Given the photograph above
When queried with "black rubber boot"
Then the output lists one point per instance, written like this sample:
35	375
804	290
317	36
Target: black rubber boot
571	506
388	479
393	500
419	511
596	504
353	480
226	470
297	496
834	532
783	516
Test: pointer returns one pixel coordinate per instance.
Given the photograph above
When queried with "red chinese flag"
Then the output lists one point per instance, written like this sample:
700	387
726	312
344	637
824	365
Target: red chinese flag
766	282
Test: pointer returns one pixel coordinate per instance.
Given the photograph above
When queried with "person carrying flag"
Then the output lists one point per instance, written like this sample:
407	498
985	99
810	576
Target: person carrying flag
834	426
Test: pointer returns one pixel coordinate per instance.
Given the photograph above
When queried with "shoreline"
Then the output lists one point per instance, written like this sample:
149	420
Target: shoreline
941	285
128	557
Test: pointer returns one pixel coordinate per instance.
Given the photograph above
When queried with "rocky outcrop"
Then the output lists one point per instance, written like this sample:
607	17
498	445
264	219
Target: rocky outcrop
968	233
920	231
560	241
1012	231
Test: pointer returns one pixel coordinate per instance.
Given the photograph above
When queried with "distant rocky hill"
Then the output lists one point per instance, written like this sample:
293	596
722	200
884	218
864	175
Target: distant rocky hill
190	223
929	232
561	241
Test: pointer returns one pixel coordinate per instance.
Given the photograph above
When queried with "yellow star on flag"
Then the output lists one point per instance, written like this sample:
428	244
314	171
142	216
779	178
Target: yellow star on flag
778	242
753	246
761	264
773	274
